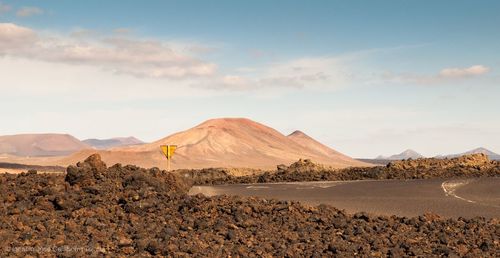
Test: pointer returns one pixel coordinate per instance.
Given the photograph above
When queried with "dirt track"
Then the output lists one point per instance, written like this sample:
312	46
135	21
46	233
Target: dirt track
446	197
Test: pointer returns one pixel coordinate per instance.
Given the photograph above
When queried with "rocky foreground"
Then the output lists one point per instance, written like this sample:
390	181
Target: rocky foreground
125	210
475	165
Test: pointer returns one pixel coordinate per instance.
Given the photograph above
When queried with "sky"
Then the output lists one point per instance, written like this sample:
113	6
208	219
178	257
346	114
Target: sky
364	77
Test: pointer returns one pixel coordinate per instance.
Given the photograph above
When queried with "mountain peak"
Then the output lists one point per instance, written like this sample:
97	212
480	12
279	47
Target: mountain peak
407	154
298	133
241	142
410	151
481	150
221	122
492	155
307	142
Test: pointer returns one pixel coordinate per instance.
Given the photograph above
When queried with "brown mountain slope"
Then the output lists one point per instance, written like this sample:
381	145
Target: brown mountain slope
225	142
314	146
40	145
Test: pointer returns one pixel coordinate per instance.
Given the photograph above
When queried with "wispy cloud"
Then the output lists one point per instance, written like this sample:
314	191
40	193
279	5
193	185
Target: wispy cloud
13	37
122	31
475	70
4	8
134	56
125	54
443	76
28	11
311	72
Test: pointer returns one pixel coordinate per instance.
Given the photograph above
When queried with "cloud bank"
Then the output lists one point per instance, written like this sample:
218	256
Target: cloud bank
28	11
445	75
464	72
4	8
311	72
121	53
137	57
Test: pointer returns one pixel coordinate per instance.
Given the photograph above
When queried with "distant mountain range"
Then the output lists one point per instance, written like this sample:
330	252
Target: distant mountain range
53	145
102	144
224	142
40	145
231	142
407	154
492	155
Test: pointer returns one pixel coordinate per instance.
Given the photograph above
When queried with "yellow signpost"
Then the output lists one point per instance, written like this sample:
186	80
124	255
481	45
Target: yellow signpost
168	151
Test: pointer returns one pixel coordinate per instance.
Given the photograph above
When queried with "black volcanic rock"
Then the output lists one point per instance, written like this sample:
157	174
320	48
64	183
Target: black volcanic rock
130	211
476	165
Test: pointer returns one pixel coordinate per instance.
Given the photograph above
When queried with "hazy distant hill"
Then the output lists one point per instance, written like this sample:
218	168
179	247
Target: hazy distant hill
407	154
113	142
492	155
40	145
376	161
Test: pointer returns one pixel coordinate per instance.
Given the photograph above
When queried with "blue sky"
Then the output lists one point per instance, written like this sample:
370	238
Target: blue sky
364	77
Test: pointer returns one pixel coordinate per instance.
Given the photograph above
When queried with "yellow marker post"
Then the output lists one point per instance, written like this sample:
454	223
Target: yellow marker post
168	151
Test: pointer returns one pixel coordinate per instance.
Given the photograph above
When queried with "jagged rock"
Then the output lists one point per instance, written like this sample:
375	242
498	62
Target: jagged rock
304	165
87	172
95	162
281	168
473	161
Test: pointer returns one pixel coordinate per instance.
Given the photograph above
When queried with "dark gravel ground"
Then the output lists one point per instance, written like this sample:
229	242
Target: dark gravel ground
130	211
31	167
